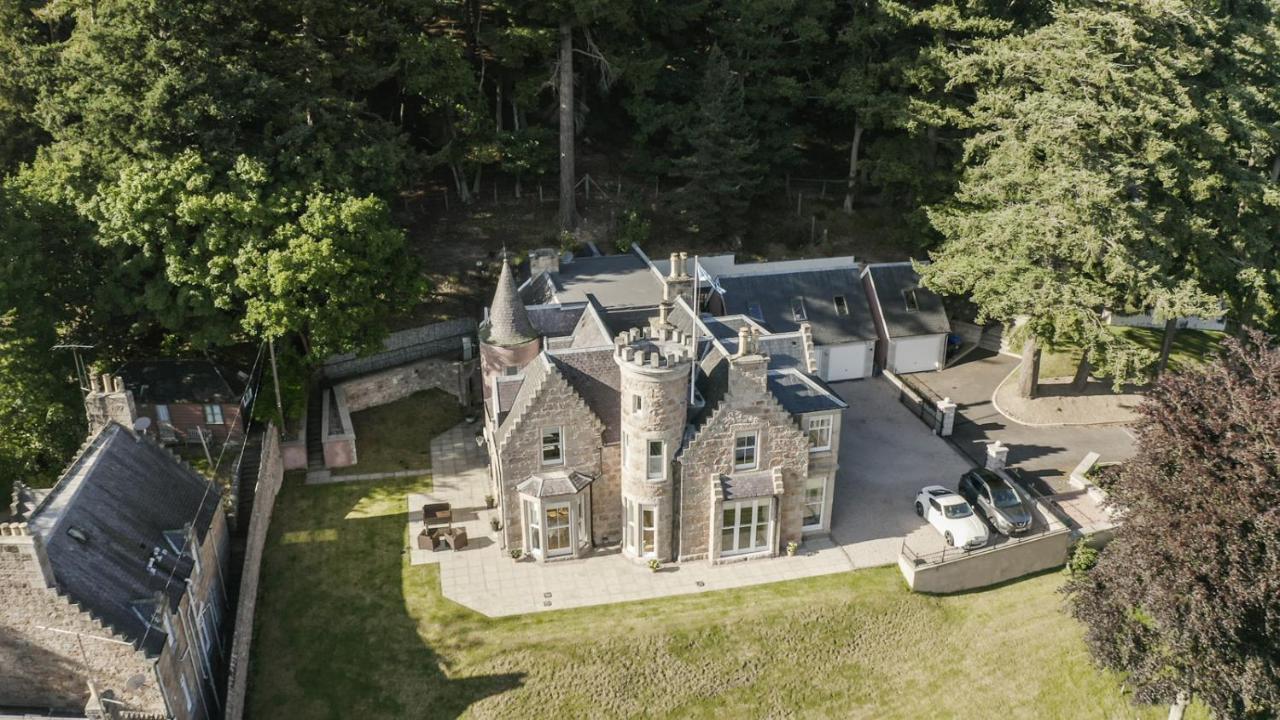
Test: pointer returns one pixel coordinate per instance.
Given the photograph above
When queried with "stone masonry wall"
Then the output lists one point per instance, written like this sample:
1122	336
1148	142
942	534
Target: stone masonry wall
606	498
39	650
387	386
270	477
185	655
664	409
556	404
748	406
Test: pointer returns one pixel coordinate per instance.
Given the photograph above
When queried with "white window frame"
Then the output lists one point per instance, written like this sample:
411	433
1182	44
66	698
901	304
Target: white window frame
757	505
532	527
648	533
754	449
649	459
186	692
558	432
829	429
629	534
213	414
798	311
841	304
812	482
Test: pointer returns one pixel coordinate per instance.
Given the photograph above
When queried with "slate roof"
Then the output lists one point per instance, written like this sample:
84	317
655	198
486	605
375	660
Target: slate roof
783	350
555	320
594	375
508	322
534	372
122	494
538	290
752	484
772	295
548	484
180	381
800	393
891	281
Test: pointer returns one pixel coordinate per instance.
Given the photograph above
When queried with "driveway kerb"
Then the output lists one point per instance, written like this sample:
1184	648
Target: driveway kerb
1012	419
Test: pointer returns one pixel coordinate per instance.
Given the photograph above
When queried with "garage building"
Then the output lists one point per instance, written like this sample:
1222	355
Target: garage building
831	301
910	320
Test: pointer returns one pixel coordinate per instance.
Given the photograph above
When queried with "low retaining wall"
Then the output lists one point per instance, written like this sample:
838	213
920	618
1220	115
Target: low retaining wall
338	435
385	386
270	475
981	569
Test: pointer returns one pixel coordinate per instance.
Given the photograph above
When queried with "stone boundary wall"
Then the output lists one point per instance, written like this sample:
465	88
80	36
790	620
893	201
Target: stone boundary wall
380	388
270	477
406	346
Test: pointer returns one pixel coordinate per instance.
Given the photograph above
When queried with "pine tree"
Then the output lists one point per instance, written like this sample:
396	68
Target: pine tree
721	171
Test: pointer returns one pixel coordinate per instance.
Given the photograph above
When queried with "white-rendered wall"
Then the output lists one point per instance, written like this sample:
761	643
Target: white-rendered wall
850	361
917	354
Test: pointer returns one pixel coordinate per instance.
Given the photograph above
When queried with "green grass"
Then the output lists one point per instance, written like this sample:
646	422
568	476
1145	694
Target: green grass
397	436
1190	348
347	628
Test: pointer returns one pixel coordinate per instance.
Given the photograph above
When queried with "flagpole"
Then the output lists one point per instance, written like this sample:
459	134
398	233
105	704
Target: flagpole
693	370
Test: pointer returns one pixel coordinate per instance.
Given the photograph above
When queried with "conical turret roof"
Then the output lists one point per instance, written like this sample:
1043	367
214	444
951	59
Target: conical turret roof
508	322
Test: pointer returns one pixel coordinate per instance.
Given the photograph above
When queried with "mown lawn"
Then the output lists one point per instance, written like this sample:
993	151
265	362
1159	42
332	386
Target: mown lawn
347	629
1190	348
397	436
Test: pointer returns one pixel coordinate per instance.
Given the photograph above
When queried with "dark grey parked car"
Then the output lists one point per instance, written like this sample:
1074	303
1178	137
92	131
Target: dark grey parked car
998	500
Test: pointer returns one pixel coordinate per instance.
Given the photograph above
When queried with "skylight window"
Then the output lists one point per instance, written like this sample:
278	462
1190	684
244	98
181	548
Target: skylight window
797	310
913	303
842	307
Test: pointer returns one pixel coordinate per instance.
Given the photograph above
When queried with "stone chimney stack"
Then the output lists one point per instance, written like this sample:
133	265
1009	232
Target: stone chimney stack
109	401
23	558
677	283
748	369
544	260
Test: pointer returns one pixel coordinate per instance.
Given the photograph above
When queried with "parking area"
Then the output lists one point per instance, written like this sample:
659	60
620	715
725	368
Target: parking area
1043	454
886	456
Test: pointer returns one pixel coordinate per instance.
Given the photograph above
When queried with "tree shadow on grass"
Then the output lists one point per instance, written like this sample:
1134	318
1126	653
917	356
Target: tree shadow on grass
344	626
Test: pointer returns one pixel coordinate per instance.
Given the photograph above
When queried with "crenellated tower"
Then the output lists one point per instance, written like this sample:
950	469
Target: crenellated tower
654	393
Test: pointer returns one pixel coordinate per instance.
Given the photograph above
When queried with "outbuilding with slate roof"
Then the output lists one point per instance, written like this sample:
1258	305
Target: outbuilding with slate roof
115	579
911	323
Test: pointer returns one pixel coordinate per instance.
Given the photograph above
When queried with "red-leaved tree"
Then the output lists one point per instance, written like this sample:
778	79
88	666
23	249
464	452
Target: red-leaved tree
1186	598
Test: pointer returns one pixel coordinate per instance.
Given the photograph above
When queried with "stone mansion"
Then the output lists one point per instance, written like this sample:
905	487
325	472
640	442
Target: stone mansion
625	407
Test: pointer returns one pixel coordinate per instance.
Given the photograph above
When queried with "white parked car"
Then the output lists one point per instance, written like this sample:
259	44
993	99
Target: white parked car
952	516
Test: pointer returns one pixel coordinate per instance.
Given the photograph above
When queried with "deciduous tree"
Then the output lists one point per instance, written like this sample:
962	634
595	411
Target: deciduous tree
1186	598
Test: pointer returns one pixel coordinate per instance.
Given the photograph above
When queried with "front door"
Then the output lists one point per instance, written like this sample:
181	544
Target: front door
557	529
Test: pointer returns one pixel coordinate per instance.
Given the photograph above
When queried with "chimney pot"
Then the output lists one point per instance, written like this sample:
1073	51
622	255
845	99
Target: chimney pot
675	266
106	382
119	384
684	264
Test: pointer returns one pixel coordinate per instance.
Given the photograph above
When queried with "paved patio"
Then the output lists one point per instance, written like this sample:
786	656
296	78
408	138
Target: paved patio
887	455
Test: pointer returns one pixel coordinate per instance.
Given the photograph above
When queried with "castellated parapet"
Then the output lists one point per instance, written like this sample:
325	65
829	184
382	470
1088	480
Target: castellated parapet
654	394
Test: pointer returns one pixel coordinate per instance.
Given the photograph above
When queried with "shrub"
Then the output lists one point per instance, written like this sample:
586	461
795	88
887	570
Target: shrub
655	564
1083	558
792	547
633	229
494	524
515	553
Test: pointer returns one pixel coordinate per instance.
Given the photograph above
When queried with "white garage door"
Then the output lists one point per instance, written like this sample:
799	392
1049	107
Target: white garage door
916	354
851	361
